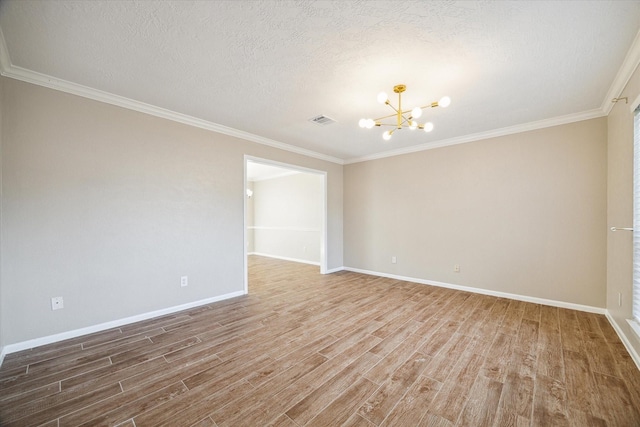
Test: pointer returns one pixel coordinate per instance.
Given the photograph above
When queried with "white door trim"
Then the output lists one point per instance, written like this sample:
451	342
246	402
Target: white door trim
323	233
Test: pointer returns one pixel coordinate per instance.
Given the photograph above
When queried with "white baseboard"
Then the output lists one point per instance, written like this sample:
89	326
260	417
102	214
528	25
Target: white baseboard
12	348
625	340
3	353
517	297
284	258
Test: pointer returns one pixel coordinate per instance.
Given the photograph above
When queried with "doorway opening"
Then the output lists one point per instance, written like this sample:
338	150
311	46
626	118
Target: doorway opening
285	213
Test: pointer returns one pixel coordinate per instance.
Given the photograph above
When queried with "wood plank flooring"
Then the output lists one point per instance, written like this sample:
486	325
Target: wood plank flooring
344	349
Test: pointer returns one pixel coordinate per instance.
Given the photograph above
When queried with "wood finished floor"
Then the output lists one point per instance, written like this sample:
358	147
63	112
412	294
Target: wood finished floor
344	349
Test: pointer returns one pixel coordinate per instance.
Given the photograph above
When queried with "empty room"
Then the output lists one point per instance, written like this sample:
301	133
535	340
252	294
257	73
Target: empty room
357	213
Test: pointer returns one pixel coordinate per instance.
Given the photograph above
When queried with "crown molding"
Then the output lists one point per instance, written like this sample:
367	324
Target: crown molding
629	65
29	76
525	127
9	70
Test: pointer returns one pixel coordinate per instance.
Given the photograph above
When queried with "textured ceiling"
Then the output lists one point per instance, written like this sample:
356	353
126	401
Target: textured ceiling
266	67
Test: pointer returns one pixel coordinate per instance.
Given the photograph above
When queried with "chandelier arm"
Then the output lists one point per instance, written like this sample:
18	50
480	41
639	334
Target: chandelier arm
386	117
406	120
393	108
402	118
432	105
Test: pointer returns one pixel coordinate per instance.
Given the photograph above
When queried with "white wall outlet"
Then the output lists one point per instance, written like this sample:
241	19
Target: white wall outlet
456	268
304	249
57	303
619	299
393	260
184	281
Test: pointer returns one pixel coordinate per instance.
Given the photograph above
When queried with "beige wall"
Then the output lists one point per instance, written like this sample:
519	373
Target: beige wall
288	216
522	214
108	207
620	210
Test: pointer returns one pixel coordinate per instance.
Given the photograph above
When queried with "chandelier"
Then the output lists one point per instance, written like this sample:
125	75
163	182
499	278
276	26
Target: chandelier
405	118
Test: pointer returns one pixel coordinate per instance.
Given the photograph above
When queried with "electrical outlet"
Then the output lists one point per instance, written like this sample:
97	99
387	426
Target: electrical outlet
57	303
393	260
456	268
619	299
184	281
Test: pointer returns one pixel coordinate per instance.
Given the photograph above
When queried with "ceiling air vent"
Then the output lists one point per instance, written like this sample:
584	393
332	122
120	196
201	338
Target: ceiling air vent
322	120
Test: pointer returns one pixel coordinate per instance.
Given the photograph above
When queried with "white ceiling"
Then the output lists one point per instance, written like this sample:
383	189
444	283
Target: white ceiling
260	69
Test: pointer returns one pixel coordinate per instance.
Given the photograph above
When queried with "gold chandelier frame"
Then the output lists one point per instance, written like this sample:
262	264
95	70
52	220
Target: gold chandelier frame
403	118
